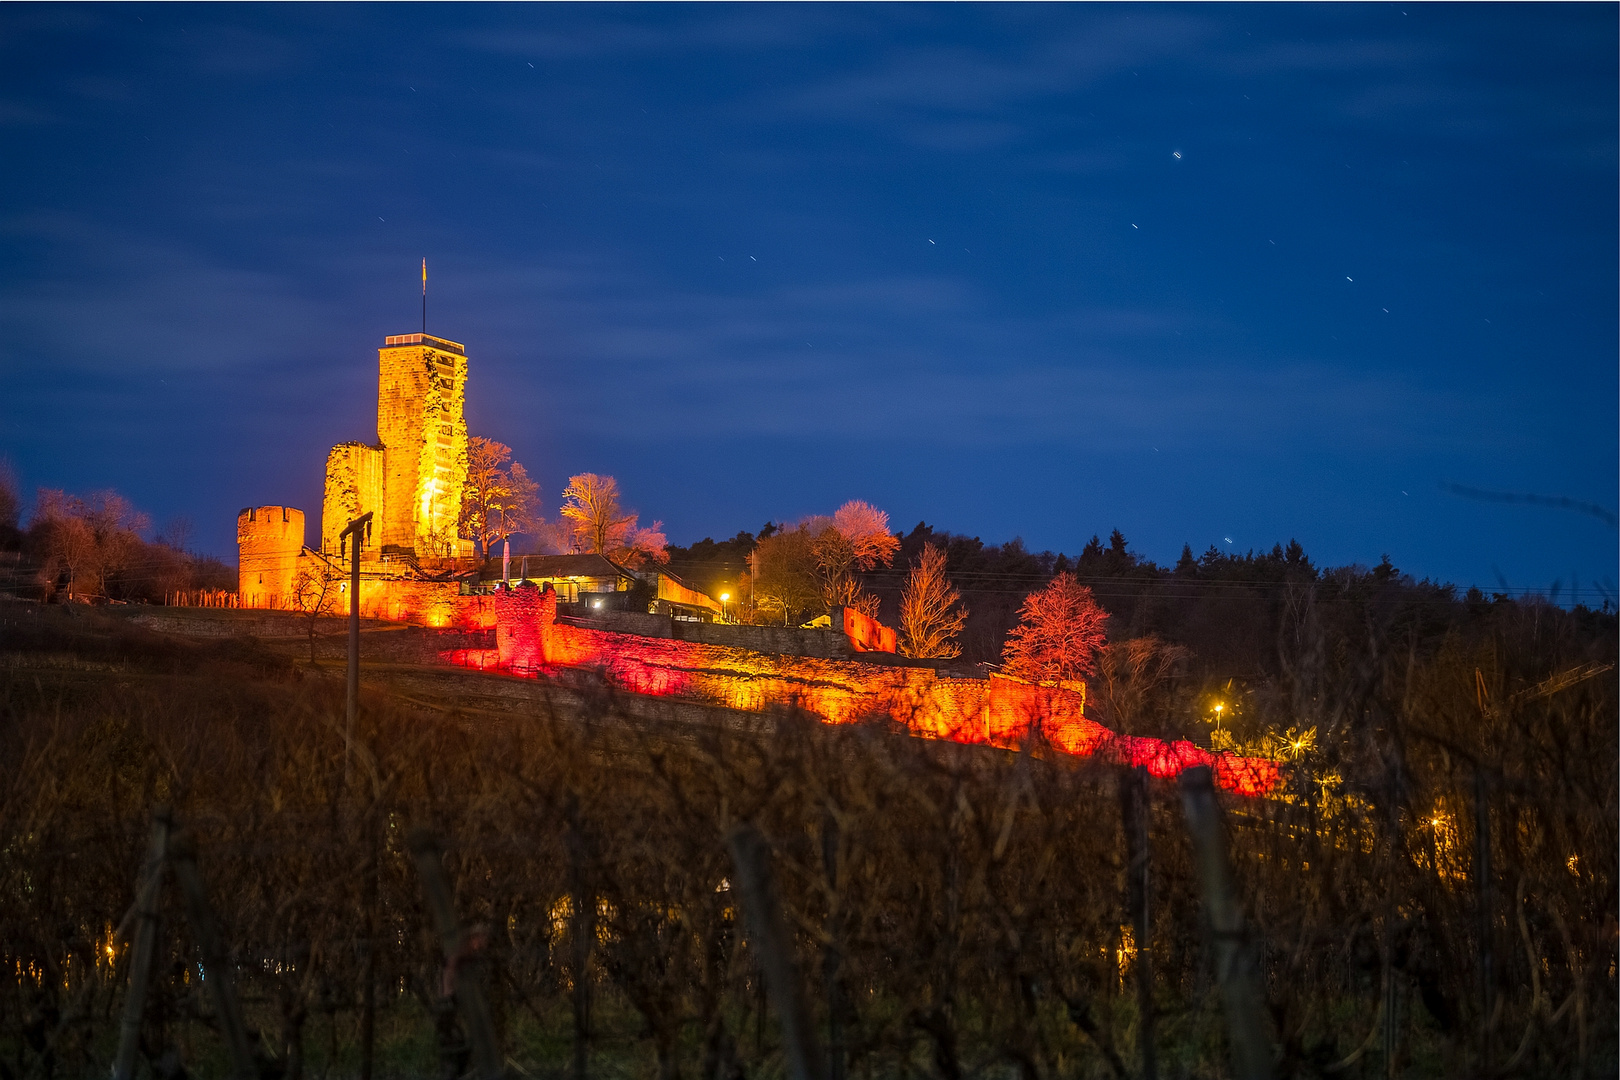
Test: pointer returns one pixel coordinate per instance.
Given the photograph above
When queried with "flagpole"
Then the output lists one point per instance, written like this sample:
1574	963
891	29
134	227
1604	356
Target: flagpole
424	296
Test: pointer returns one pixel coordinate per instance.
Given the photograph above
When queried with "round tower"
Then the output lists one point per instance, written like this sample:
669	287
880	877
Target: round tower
268	540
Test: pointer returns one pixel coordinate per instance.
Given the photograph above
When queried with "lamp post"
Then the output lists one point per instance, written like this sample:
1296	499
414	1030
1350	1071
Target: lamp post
724	598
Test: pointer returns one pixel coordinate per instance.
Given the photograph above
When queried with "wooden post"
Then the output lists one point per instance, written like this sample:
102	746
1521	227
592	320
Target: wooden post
458	949
355	528
368	960
1234	962
582	932
834	956
752	857
217	972
1134	796
1482	911
148	888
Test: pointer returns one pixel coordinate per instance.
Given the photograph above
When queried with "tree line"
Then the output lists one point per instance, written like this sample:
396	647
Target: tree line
100	546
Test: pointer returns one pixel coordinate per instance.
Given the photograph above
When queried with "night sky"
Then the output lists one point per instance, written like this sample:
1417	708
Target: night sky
1209	275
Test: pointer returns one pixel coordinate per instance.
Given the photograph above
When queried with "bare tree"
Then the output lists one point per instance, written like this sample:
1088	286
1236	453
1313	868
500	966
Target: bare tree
782	567
498	500
1129	675
931	612
597	523
10	500
826	552
316	592
89	538
855	538
176	534
1060	632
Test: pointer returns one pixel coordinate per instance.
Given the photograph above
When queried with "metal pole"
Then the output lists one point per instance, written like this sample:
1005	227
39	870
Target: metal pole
356	527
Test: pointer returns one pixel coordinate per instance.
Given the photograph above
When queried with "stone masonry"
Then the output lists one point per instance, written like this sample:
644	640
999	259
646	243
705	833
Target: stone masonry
412	479
421	392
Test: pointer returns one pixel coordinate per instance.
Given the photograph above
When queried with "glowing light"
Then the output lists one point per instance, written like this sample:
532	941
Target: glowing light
724	597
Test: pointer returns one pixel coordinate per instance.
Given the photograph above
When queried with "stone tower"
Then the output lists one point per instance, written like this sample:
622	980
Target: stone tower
413	478
268	540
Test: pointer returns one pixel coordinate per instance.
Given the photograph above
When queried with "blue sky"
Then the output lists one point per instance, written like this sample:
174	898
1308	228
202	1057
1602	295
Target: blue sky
1196	273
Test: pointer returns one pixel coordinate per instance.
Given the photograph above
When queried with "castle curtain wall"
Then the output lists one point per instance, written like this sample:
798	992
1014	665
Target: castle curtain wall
997	711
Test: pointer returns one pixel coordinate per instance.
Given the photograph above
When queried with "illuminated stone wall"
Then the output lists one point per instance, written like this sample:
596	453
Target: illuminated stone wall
421	393
998	711
268	542
354	486
865	633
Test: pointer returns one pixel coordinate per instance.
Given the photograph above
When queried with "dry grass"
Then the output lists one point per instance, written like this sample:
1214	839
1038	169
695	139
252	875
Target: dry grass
973	900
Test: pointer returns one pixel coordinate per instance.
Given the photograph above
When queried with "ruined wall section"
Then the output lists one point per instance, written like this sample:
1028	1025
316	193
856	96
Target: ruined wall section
998	711
268	542
354	486
421	396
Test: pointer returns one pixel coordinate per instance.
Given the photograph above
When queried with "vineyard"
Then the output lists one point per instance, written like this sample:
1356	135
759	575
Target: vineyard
200	875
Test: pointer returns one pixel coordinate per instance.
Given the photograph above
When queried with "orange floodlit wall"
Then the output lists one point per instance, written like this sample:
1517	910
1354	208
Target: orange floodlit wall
411	600
867	634
428	603
674	592
999	711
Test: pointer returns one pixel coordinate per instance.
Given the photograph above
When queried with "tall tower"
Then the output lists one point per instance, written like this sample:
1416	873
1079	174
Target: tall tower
421	392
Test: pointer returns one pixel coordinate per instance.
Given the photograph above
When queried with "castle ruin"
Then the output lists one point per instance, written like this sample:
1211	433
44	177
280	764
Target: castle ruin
410	480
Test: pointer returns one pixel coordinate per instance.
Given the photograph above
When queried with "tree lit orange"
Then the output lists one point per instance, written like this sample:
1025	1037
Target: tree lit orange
1060	631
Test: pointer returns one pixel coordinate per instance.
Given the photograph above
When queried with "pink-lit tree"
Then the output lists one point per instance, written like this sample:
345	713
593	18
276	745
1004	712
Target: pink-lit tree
1061	629
818	559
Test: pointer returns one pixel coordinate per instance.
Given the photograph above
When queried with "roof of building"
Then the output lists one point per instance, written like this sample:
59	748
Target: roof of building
394	341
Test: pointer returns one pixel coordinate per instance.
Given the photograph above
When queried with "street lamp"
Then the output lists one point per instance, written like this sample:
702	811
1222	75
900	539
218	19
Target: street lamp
724	598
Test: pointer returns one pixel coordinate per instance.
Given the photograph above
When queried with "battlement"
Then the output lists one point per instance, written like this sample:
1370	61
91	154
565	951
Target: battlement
270	522
395	341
